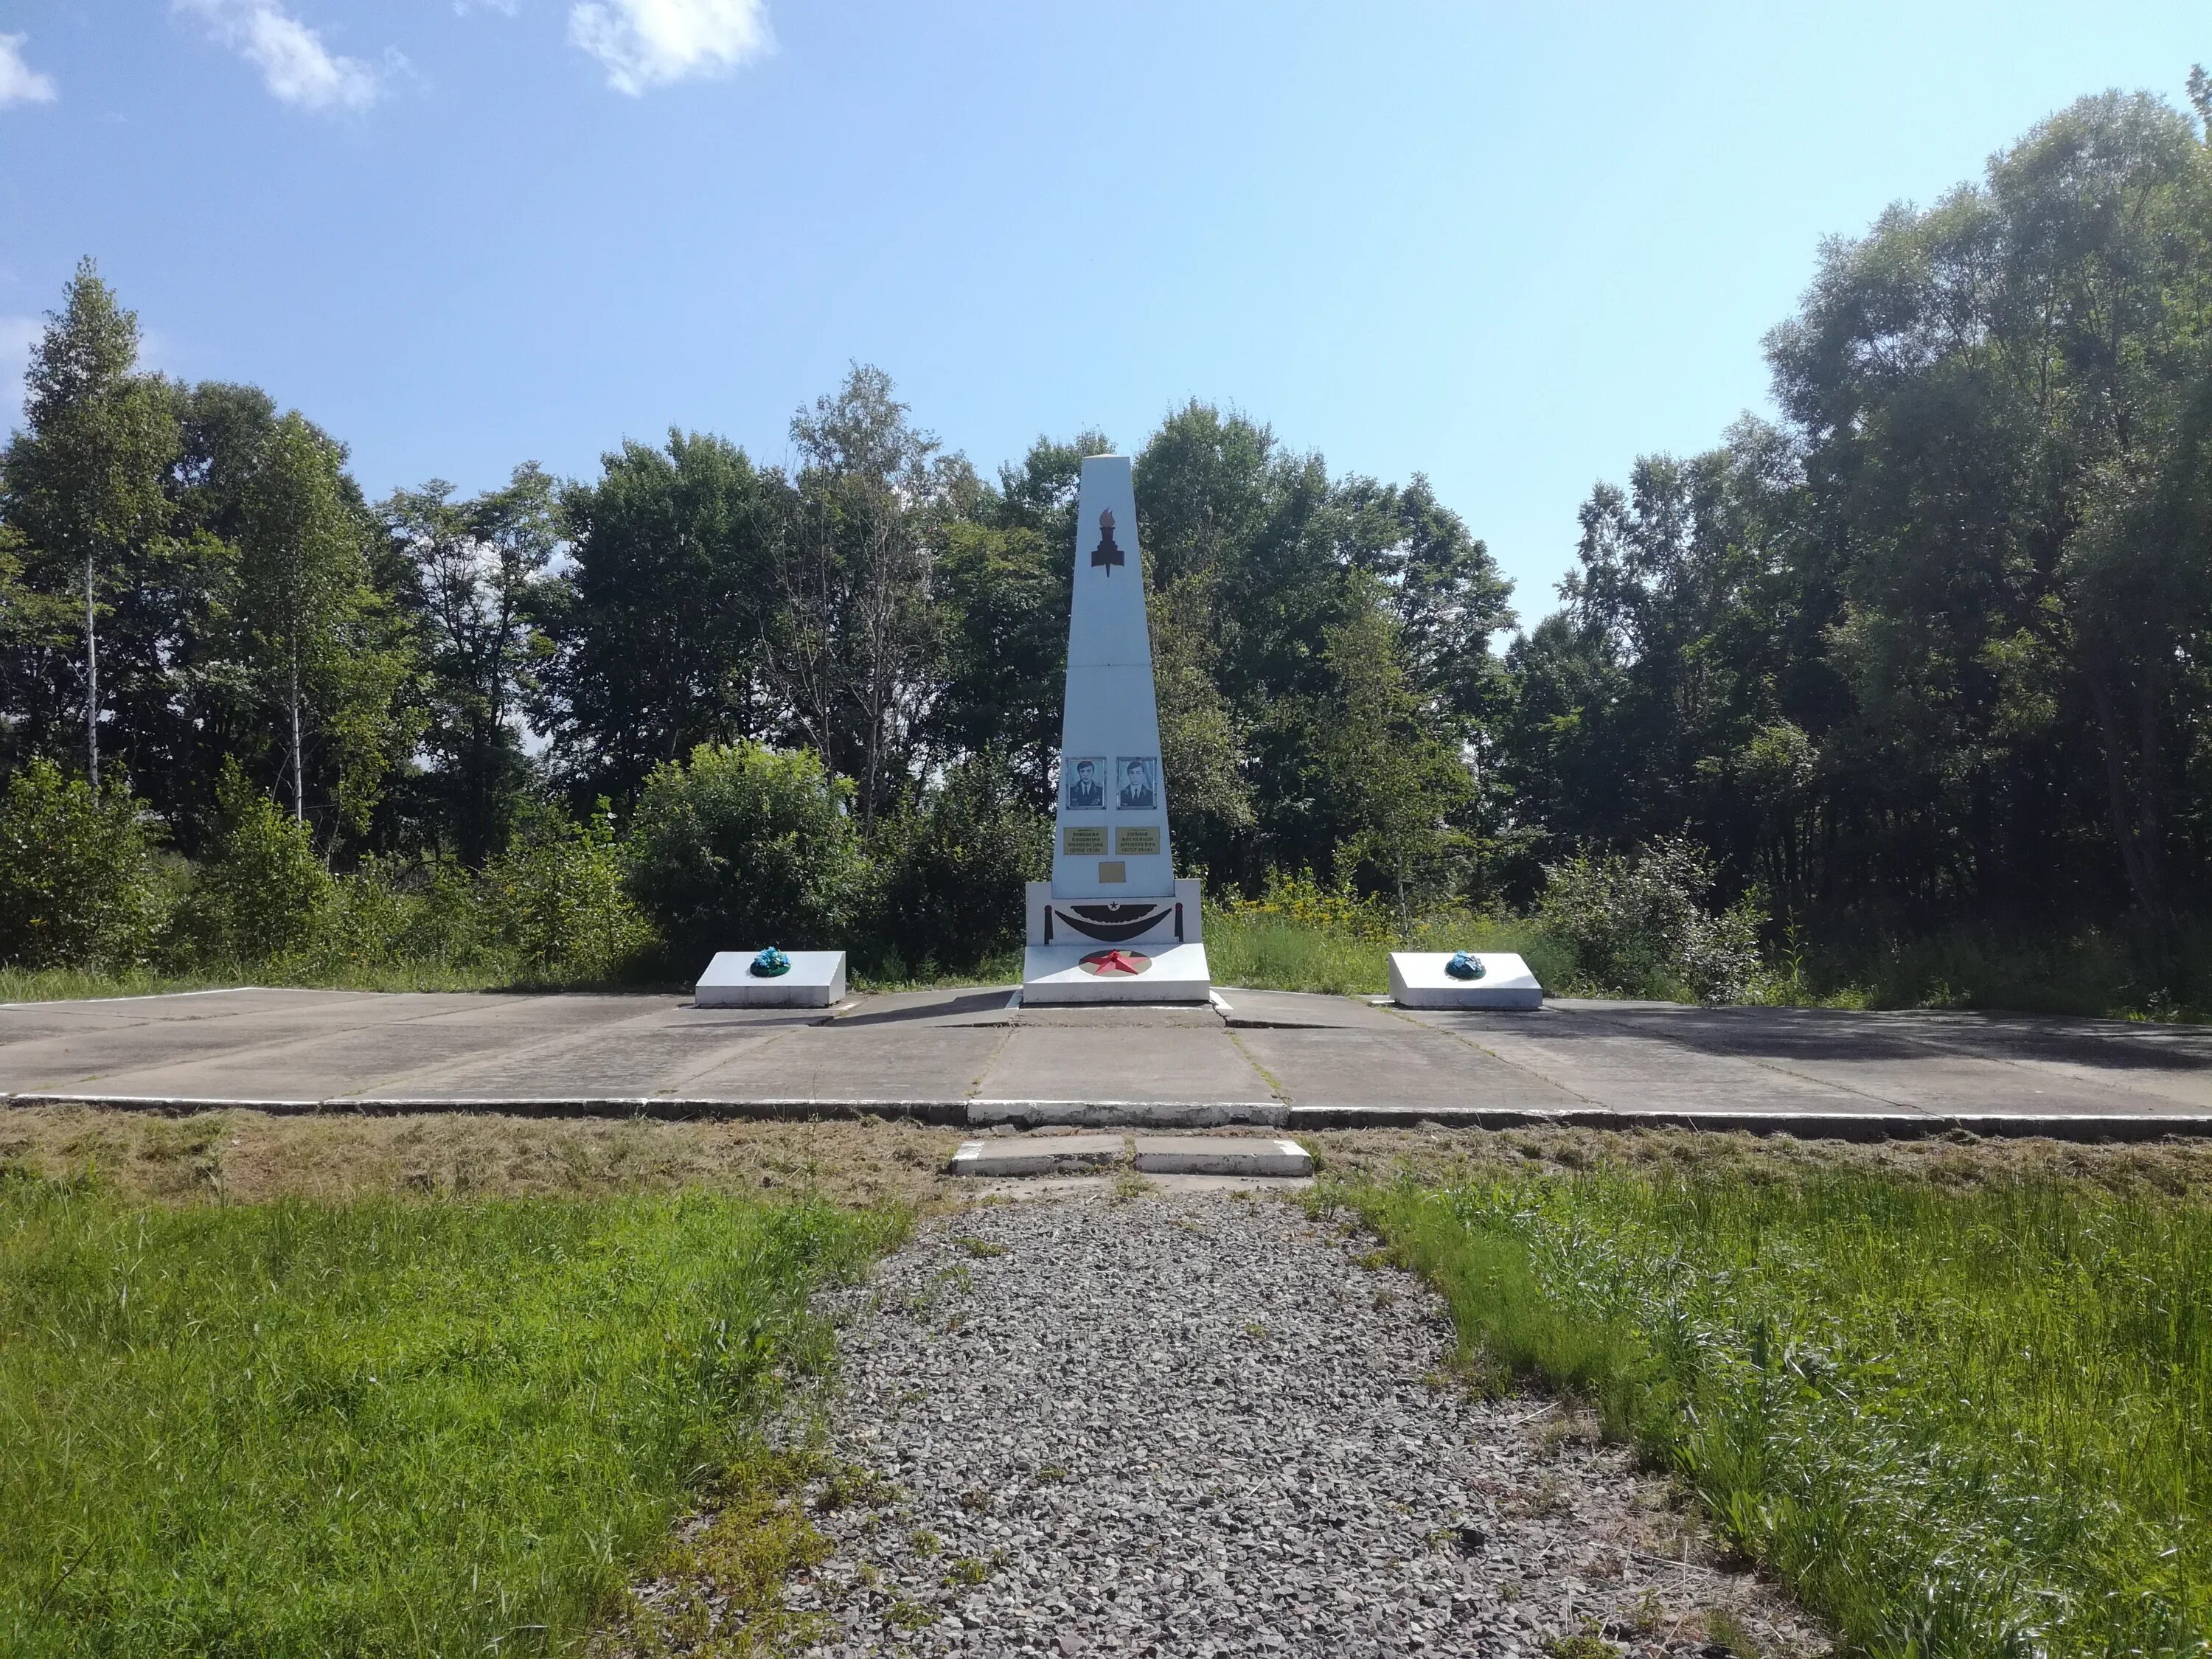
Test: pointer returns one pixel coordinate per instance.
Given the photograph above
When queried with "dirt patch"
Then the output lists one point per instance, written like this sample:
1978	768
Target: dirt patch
244	1156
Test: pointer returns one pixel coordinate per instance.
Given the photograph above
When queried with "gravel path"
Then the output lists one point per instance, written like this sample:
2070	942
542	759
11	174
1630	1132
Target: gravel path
1199	1424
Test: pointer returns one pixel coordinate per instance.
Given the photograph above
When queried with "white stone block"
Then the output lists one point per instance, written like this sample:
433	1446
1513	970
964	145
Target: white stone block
1054	974
1033	1155
817	980
1418	980
1223	1155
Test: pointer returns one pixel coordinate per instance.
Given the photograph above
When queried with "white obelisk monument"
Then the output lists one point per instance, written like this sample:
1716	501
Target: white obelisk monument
1113	924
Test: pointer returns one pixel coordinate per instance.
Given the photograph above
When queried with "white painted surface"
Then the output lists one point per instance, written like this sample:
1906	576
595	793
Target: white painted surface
817	980
1418	980
1050	975
1109	716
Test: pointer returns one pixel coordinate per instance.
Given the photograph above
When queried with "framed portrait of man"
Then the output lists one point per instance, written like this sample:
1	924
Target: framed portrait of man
1083	784
1136	780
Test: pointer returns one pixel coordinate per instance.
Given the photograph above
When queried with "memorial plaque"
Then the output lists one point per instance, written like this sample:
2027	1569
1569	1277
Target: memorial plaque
1083	839
1138	841
1113	870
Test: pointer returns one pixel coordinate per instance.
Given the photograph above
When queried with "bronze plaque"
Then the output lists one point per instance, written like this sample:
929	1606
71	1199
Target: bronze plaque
1083	839
1138	839
1112	869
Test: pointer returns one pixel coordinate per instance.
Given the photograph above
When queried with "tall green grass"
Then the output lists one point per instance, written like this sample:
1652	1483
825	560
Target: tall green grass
1958	1424
380	1428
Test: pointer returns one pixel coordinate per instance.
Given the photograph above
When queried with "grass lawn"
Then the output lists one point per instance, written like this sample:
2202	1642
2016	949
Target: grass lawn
1957	1422
378	1426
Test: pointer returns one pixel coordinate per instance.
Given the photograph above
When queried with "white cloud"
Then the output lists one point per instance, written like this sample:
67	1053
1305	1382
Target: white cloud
296	65
19	82
649	43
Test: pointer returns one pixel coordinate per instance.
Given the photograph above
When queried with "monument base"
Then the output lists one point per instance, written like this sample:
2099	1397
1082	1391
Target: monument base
1418	980
817	980
1059	974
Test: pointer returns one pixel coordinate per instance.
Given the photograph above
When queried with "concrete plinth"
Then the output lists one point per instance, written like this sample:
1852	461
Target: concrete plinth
1418	980
1054	974
1038	1155
1227	1155
817	980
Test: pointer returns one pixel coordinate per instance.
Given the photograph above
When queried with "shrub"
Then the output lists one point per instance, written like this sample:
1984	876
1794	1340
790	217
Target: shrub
743	846
261	895
950	868
556	903
77	886
393	912
1640	926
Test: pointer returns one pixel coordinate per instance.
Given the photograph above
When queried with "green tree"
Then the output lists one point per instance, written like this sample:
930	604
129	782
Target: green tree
853	642
746	846
262	894
83	483
558	904
657	624
316	636
950	867
1397	784
77	884
476	575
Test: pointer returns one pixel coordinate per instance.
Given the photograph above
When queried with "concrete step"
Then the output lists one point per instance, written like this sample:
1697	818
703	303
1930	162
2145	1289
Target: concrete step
1037	1155
1226	1155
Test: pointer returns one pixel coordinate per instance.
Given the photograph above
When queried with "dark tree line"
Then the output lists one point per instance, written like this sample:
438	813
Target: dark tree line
1932	644
1936	642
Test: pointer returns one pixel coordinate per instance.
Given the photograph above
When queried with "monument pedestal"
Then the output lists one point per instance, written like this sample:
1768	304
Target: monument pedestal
817	980
1418	980
1124	951
1059	974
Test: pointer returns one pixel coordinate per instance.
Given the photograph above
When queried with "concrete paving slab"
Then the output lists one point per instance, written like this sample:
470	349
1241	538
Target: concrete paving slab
1606	1066
1874	1056
991	1005
1039	1155
953	1054
1197	1017
1221	1155
1243	1008
2152	1067
871	1063
1122	1062
108	1051
644	1059
1407	1066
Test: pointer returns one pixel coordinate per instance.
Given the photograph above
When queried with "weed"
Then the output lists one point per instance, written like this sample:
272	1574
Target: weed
980	1248
910	1615
1724	1630
922	1541
1128	1184
1585	1644
967	1570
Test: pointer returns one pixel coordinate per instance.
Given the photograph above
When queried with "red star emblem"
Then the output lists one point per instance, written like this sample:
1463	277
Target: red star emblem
1117	962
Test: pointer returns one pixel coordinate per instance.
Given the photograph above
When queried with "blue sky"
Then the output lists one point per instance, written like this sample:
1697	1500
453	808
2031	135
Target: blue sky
1511	247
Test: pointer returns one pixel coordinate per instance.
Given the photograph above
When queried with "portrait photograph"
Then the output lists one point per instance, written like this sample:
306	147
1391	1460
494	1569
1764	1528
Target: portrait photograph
1136	780
1083	784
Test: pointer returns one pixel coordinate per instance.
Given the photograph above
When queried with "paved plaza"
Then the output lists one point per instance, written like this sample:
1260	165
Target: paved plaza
1256	1057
